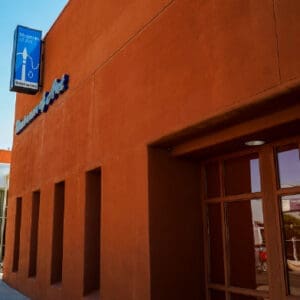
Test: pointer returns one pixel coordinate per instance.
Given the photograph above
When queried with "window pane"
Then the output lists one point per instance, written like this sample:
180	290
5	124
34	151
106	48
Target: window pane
247	249
2	194
217	295
289	167
242	175
212	180
215	243
291	232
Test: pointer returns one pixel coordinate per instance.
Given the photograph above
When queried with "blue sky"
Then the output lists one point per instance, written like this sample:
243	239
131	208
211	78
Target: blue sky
37	14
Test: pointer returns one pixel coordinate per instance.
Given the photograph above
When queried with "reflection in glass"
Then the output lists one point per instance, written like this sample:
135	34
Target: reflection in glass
289	167
242	175
217	295
246	243
212	180
216	258
291	232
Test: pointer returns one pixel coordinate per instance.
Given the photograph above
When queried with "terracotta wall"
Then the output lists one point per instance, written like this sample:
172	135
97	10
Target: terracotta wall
5	156
139	70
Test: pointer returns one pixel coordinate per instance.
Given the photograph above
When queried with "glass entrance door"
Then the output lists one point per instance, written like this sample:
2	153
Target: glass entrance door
288	193
251	211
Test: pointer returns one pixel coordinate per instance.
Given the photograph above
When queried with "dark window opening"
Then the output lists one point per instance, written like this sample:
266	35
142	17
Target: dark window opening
92	231
57	235
18	216
35	211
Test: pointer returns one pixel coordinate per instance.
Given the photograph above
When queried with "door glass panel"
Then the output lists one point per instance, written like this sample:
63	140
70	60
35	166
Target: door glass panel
242	175
291	233
244	297
289	167
217	295
216	257
212	180
246	244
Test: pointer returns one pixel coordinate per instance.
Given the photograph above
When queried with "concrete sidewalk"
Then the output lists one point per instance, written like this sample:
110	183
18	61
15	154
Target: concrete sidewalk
8	293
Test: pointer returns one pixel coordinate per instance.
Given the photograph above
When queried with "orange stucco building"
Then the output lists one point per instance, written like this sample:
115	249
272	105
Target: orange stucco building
136	184
5	156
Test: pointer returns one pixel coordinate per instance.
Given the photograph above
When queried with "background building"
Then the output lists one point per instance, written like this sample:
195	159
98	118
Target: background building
5	158
136	183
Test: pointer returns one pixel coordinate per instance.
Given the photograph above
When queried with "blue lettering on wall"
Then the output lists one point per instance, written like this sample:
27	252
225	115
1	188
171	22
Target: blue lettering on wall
58	87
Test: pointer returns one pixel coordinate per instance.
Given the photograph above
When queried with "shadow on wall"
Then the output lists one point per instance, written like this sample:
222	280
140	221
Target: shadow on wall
175	218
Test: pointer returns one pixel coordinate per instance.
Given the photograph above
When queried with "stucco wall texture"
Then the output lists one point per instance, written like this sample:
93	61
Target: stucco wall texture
139	70
5	156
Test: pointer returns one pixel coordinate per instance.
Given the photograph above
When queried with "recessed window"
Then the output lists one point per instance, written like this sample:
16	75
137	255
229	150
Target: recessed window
92	232
35	212
18	217
58	233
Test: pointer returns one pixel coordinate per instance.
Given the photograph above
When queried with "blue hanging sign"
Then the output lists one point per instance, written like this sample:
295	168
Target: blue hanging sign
26	60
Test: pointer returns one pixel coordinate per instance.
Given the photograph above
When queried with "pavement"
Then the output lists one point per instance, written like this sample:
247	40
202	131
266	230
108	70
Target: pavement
8	293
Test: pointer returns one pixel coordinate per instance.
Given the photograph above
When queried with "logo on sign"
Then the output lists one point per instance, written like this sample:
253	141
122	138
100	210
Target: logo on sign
26	60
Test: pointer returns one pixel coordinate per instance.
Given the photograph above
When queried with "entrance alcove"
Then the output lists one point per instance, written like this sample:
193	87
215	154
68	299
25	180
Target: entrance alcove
184	254
176	245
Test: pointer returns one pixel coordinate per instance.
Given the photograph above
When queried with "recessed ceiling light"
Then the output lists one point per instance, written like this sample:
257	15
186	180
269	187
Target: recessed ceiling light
254	143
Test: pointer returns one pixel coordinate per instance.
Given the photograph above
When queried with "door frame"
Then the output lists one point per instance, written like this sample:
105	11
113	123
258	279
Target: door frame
270	193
